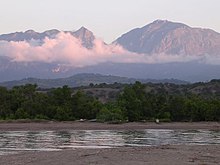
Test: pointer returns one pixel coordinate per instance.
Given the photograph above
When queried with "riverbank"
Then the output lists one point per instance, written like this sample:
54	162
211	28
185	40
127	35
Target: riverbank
161	155
152	155
51	125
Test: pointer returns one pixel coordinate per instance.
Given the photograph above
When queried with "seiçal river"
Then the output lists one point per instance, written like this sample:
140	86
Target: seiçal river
17	141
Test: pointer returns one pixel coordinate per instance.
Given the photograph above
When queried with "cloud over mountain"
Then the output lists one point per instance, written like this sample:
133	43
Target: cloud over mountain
66	49
157	42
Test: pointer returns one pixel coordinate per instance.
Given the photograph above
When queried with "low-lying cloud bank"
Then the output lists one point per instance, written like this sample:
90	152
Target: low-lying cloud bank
66	49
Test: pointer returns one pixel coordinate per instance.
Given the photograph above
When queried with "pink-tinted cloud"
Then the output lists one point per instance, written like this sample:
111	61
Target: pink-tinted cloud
66	49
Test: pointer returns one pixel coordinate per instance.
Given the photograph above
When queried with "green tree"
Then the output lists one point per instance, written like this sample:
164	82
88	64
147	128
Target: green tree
84	107
21	114
63	113
61	96
111	113
4	103
131	101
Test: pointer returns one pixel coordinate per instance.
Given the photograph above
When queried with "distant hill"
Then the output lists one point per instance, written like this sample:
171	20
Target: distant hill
84	80
204	89
109	92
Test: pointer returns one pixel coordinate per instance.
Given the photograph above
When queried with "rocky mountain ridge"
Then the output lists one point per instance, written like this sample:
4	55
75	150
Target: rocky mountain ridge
83	34
162	36
158	37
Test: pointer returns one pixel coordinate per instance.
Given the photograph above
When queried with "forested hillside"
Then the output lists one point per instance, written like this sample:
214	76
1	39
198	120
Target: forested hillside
114	102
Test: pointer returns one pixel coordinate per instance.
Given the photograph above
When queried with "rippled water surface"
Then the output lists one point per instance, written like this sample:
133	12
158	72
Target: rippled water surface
15	141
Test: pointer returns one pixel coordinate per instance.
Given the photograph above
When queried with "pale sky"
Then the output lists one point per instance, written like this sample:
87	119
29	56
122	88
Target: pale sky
108	19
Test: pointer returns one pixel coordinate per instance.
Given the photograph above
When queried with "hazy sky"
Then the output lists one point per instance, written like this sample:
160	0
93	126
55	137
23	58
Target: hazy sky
108	19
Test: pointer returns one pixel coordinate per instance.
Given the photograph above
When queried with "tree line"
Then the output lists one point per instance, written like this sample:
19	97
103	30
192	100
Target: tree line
134	103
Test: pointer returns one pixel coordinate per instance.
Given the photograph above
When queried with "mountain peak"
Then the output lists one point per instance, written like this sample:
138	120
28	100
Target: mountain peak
162	36
86	37
30	31
50	33
160	21
83	29
166	24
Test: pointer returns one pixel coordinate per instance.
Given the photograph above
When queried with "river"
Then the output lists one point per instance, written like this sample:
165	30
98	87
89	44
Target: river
18	141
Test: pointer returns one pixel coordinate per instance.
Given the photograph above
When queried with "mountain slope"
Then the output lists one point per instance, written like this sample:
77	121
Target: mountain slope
171	38
188	71
29	35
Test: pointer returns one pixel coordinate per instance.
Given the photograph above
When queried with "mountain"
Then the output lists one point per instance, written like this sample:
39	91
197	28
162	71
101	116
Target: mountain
165	37
158	37
83	34
83	79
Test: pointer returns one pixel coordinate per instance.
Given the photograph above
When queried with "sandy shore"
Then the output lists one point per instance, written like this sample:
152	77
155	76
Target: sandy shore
37	126
162	155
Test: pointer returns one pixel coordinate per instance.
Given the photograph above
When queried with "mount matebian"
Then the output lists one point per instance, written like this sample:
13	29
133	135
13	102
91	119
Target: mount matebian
171	38
159	50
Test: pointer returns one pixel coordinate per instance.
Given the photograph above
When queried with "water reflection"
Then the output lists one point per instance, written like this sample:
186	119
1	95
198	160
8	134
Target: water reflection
14	141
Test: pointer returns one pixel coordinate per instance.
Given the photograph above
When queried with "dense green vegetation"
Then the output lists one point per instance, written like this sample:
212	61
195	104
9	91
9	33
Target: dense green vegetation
137	102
